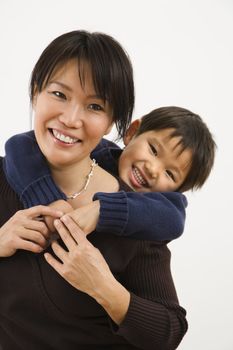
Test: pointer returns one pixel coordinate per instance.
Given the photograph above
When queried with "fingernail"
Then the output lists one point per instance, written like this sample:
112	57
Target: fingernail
56	222
64	218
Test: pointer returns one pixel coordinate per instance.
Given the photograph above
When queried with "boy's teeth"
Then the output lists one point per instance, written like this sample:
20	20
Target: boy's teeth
63	138
139	177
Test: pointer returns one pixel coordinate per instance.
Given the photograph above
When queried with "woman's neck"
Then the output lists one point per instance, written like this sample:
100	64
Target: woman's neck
72	178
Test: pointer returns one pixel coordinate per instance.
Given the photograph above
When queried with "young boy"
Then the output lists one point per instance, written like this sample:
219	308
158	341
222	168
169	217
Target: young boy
170	150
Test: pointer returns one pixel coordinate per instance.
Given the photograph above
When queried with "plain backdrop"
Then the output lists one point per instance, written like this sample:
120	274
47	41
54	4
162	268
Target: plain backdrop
182	54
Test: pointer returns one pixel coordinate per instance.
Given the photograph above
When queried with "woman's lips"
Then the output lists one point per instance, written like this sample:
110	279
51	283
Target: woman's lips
63	139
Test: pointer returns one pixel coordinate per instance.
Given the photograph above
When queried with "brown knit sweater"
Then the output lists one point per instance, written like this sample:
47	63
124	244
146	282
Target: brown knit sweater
41	311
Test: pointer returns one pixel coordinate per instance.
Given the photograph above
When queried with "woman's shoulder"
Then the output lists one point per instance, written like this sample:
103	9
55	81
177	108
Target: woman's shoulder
110	182
3	180
4	185
104	181
9	200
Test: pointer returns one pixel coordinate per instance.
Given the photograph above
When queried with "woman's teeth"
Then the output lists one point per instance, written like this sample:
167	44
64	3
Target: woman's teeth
139	177
63	138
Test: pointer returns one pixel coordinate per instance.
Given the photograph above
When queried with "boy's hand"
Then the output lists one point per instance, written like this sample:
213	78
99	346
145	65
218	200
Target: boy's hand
87	216
60	205
24	230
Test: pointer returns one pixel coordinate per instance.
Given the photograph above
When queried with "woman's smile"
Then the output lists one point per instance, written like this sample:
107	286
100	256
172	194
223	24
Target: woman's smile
70	119
63	138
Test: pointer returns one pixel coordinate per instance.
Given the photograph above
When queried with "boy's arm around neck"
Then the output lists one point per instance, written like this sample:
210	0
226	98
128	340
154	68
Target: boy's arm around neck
151	216
27	171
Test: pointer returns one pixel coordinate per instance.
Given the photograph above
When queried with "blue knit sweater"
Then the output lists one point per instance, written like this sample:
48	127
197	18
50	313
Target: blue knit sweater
150	216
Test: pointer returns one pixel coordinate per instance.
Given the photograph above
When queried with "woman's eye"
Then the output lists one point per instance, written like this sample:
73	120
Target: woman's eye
59	94
170	174
95	107
153	149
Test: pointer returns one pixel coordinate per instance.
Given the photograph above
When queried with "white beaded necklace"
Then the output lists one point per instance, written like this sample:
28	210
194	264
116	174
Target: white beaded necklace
76	194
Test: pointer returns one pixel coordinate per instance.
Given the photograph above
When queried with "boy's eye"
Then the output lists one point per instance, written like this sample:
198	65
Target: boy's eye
59	94
95	107
153	149
170	174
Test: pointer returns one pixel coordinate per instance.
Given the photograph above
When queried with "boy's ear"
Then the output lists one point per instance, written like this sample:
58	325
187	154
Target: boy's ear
131	131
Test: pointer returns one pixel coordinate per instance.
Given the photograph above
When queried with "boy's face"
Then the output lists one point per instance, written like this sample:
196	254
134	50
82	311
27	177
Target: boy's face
154	161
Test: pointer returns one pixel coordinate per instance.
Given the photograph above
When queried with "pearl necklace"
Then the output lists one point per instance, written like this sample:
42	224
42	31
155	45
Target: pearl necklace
76	194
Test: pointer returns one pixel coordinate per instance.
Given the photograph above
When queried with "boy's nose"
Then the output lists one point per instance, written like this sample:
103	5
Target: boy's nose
152	169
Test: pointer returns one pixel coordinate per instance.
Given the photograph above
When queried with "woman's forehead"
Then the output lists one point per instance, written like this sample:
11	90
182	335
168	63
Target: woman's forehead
82	68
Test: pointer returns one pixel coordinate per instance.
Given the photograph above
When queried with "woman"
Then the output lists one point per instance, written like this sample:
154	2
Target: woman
120	294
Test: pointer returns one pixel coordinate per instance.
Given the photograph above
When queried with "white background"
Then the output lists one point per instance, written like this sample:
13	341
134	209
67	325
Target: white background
182	53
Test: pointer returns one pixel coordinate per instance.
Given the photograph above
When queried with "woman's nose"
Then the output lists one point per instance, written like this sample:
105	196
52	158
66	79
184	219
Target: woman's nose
72	117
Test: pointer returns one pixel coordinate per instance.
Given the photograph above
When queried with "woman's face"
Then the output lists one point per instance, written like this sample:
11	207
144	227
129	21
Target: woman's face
70	120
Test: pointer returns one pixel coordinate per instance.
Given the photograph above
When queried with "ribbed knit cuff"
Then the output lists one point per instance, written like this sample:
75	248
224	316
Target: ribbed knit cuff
42	191
137	319
113	212
137	312
146	320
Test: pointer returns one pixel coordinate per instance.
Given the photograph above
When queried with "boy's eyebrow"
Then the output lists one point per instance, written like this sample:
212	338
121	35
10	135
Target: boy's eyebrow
64	86
158	143
162	146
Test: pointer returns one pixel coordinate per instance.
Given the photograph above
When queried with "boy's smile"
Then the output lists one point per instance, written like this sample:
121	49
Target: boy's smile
154	161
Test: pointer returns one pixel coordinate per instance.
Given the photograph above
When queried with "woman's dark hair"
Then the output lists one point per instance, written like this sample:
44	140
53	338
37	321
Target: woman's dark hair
110	65
195	136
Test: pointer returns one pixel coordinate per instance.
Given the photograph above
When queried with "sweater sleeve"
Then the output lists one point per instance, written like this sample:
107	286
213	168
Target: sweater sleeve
149	216
27	171
103	145
154	319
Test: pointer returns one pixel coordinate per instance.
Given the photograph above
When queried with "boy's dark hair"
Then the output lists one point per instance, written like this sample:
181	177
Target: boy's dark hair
194	135
111	68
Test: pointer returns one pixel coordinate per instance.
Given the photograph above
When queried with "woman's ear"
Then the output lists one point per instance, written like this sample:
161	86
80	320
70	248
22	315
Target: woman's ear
131	131
109	129
34	99
34	102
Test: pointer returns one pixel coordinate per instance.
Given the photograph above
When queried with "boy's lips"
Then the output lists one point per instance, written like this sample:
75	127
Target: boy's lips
137	178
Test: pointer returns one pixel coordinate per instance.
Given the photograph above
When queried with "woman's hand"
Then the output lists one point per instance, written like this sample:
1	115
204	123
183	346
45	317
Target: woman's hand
85	268
86	216
24	230
60	205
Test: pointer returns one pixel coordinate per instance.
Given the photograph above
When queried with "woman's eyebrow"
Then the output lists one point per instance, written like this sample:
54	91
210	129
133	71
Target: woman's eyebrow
98	97
64	86
68	88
